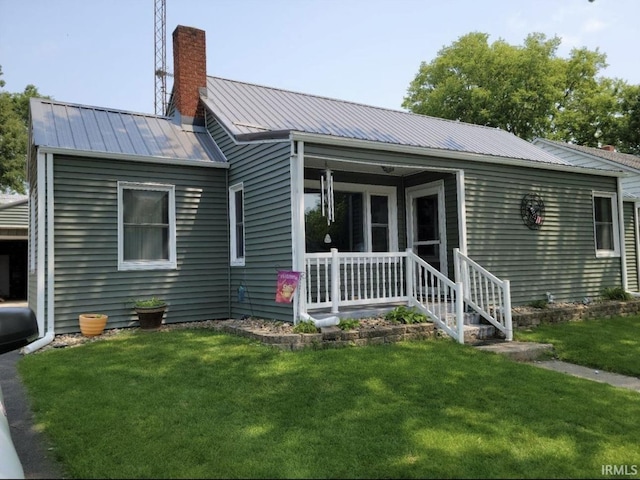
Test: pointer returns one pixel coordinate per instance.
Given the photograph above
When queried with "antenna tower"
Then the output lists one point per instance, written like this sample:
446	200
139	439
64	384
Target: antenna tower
160	37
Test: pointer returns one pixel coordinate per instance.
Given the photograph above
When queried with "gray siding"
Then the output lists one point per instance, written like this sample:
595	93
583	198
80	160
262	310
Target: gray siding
559	258
16	214
34	233
630	229
265	172
86	243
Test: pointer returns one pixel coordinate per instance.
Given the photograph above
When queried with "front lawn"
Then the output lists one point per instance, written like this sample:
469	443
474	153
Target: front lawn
197	403
610	344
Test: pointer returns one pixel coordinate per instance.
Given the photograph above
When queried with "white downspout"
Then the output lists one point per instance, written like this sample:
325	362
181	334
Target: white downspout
45	178
636	236
623	252
462	213
297	226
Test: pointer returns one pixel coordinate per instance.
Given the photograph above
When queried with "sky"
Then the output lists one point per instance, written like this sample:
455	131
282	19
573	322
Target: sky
101	52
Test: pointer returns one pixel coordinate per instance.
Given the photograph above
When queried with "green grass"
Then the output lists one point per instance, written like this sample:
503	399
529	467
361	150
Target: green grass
196	404
611	344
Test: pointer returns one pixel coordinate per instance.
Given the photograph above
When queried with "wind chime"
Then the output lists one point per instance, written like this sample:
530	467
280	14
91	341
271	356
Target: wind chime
327	201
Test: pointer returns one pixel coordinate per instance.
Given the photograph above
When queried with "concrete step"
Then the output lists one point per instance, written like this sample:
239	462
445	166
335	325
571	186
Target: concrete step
520	351
474	334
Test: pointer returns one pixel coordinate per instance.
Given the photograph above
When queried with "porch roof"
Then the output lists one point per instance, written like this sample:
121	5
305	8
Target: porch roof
252	112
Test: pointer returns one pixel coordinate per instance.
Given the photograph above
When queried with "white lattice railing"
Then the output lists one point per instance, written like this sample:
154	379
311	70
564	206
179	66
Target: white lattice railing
485	293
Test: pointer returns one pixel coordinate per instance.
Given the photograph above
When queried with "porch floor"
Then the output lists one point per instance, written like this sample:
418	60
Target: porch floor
356	312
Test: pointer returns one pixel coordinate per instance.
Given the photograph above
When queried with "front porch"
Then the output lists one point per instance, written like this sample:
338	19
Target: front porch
361	284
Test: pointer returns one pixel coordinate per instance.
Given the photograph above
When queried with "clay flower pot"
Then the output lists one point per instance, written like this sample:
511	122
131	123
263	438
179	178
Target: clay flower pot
92	324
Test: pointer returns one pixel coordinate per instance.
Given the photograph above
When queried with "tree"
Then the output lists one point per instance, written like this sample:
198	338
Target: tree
14	119
527	90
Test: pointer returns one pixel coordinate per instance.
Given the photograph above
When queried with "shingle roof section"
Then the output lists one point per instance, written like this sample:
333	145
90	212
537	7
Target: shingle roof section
247	109
625	159
100	130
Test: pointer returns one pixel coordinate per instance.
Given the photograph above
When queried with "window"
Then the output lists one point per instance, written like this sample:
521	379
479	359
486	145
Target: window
146	226
236	215
365	219
605	218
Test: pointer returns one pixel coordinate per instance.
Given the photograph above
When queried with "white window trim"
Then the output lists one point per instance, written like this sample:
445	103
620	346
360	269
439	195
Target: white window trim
601	253
171	263
235	260
368	190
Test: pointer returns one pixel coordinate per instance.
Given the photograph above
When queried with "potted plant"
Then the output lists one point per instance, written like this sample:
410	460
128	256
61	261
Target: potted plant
150	312
92	324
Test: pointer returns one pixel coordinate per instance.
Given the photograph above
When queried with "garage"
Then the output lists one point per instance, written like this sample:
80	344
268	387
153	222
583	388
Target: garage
14	224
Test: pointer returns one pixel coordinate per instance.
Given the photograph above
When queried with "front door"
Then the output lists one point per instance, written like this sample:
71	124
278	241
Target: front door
426	224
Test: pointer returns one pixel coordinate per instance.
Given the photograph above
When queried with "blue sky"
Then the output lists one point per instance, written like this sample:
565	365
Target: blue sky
101	52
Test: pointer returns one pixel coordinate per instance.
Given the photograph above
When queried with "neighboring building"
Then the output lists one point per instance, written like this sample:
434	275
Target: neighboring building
14	223
205	207
607	158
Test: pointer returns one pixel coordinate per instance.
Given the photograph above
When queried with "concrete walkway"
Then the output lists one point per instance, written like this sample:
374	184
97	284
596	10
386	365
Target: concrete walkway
538	354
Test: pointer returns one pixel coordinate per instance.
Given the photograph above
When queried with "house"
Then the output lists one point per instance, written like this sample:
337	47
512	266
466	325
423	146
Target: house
14	222
241	184
608	158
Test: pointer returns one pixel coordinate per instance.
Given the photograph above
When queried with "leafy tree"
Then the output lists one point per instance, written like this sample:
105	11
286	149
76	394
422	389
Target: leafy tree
14	119
528	90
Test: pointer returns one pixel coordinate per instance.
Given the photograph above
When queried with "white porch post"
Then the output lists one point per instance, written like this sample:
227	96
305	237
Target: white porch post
297	226
410	277
335	281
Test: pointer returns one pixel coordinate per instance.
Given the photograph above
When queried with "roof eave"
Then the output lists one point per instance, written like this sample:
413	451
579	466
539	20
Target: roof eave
452	154
133	158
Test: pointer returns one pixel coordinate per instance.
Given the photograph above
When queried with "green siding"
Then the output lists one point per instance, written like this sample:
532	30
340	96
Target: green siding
86	241
630	229
559	258
264	170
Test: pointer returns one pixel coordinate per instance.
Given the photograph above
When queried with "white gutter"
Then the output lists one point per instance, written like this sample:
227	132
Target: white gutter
441	153
48	290
186	162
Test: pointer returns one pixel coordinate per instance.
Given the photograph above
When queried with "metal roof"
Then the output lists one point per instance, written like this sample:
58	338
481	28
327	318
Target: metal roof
625	159
106	131
254	111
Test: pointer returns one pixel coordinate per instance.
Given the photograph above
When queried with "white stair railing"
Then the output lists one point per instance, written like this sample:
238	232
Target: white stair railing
436	296
485	293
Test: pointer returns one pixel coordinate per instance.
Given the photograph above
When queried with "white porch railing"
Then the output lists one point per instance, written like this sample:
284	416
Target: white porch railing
485	293
338	279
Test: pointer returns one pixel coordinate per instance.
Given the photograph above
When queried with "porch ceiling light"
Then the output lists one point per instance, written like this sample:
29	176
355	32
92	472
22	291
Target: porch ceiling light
386	169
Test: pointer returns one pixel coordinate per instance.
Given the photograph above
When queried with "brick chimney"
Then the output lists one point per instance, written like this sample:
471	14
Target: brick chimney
608	148
189	72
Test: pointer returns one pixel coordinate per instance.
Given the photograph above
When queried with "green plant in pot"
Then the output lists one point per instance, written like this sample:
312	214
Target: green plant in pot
150	312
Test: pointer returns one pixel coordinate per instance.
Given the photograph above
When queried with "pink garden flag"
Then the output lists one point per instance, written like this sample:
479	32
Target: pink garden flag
287	284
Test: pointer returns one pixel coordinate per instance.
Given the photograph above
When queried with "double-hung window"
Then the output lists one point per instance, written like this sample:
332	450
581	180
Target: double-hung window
146	226
236	216
605	220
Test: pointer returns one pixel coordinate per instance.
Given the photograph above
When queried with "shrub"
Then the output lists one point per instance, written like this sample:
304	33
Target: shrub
616	293
348	324
306	326
407	315
538	303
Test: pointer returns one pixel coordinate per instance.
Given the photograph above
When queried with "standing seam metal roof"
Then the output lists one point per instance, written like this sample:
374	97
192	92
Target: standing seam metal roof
94	129
626	159
246	109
